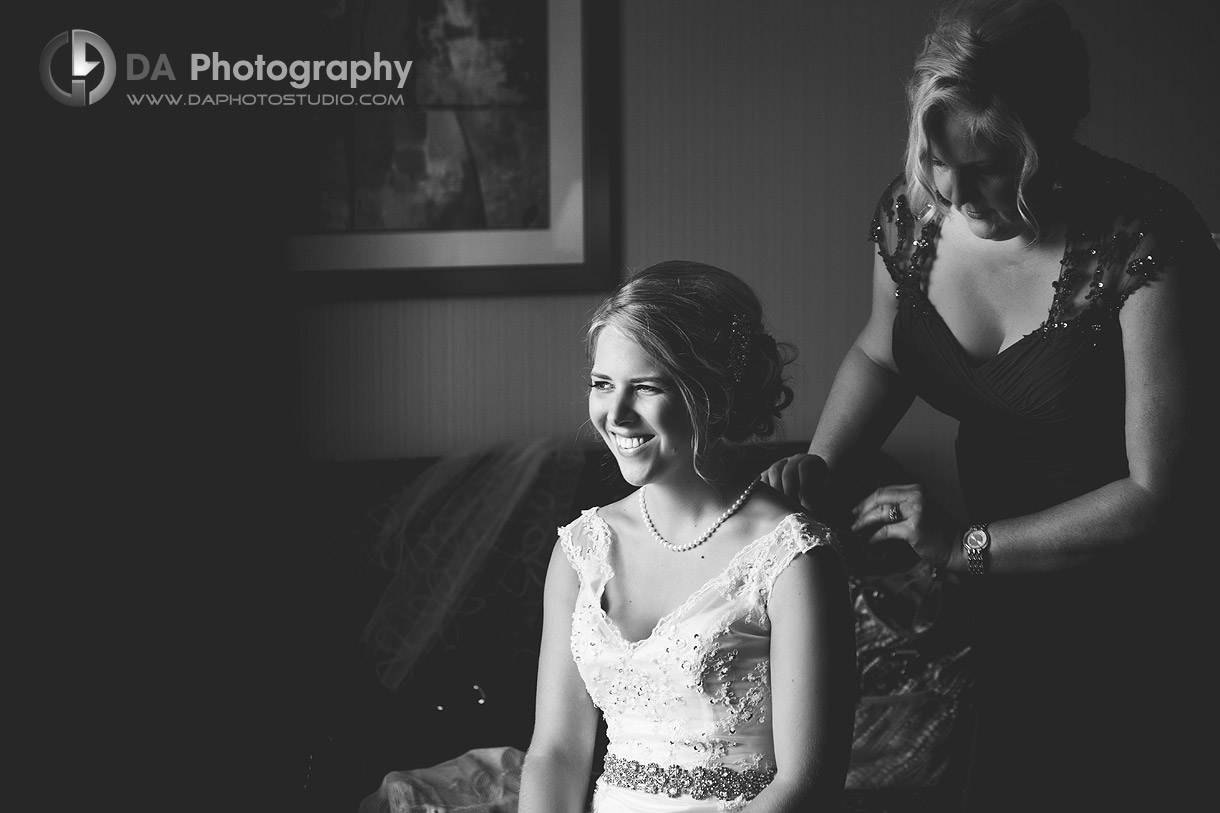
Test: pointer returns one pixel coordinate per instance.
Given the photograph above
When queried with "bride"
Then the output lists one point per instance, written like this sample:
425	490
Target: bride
705	618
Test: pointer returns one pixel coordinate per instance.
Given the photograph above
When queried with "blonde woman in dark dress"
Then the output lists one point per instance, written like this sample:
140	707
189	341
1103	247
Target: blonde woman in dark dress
1041	294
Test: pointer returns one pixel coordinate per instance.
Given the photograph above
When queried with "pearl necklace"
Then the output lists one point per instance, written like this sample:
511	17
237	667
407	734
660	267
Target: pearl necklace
706	534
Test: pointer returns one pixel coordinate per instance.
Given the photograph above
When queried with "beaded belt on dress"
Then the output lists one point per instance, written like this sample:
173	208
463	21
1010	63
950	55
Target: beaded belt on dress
700	783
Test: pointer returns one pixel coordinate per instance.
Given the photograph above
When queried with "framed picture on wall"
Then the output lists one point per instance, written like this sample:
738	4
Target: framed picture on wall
495	173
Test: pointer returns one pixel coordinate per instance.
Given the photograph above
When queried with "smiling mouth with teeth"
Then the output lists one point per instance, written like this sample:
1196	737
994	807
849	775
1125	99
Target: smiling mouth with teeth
632	442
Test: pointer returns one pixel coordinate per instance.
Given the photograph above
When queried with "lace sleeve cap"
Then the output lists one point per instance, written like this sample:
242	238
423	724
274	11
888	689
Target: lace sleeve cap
571	537
798	534
896	230
809	533
584	541
890	208
1138	225
1169	238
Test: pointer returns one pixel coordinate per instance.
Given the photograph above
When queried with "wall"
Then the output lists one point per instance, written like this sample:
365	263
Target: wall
756	137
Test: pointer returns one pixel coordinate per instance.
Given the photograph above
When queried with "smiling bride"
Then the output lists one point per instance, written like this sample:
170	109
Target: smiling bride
703	616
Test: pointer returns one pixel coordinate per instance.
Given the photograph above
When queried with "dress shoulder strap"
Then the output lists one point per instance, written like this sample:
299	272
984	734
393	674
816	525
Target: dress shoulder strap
586	543
903	237
796	534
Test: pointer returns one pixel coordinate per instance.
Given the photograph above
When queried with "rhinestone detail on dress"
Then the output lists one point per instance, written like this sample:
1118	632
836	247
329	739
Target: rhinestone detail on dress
699	783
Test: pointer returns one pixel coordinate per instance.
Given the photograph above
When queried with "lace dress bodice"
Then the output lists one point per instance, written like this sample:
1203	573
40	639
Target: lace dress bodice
696	693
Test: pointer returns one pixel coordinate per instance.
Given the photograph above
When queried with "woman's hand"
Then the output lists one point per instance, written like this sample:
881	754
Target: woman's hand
905	512
802	477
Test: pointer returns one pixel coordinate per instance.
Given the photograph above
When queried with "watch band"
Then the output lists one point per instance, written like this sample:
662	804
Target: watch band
975	543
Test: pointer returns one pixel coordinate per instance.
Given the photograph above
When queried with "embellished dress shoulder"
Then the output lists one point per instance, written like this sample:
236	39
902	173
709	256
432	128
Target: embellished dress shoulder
1040	423
1052	404
687	709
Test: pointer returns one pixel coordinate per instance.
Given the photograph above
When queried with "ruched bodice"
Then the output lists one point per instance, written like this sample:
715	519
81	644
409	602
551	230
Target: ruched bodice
1039	423
1042	420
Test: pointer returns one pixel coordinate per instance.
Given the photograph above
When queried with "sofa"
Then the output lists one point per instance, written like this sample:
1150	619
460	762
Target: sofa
408	666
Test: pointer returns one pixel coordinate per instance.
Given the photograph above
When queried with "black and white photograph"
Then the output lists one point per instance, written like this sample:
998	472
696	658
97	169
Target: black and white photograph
613	406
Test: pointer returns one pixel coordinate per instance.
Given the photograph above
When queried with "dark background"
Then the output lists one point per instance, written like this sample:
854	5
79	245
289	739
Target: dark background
149	663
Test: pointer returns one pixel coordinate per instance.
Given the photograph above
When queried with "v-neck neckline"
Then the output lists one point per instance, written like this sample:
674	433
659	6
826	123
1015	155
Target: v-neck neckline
668	618
1059	293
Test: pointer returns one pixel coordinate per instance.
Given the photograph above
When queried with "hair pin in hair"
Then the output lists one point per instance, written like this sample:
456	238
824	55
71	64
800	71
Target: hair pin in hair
739	346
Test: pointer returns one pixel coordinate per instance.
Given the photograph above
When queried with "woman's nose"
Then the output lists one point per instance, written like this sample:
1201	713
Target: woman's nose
959	188
621	410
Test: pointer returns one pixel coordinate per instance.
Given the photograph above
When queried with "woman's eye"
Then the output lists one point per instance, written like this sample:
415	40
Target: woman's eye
600	386
648	388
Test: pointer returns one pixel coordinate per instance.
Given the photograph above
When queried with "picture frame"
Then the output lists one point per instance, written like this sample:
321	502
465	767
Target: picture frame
577	251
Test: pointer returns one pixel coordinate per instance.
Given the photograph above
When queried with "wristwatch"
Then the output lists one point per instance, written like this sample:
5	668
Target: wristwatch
975	542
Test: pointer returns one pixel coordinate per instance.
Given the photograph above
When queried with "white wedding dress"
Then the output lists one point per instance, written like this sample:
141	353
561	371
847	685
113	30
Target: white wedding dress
688	709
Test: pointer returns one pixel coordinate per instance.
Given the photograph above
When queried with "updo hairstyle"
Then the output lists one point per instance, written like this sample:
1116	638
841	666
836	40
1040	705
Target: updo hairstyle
703	327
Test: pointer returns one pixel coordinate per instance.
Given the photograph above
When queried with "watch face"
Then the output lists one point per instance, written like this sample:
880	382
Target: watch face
976	539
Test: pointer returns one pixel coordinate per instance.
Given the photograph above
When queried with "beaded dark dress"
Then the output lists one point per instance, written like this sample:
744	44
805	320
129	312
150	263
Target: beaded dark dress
1066	661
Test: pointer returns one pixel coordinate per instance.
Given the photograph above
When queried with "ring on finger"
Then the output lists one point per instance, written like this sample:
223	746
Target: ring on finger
893	516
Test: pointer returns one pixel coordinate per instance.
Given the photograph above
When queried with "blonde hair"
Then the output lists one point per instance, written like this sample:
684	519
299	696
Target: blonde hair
683	315
1016	72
